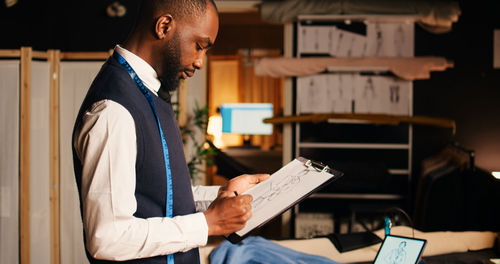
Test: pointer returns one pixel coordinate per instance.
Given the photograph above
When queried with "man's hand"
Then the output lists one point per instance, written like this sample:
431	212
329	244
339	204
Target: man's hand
242	183
228	213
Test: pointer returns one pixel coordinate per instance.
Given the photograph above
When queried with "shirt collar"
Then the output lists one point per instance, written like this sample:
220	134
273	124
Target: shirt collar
145	72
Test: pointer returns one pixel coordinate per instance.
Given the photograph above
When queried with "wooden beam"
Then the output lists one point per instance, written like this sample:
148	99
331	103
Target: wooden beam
24	153
85	55
10	53
381	119
54	60
39	55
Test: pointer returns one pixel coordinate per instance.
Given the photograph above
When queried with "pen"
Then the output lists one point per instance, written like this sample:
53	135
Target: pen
236	193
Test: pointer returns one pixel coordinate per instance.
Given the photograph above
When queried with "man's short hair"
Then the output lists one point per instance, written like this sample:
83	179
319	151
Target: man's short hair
179	9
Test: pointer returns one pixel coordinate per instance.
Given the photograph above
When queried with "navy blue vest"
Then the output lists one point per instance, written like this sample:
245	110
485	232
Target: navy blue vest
114	83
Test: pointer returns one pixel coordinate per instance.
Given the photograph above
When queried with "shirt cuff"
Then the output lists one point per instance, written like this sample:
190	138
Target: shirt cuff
195	229
204	196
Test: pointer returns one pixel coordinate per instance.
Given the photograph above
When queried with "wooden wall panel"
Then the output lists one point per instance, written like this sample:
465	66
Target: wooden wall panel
54	185
39	179
9	161
24	163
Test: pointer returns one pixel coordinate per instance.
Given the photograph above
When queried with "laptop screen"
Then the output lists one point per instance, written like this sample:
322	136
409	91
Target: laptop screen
400	250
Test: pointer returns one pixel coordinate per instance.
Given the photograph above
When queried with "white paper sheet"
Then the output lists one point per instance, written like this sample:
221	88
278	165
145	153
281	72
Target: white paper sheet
334	43
314	39
365	95
346	93
325	93
381	95
390	39
398	97
349	44
281	190
312	93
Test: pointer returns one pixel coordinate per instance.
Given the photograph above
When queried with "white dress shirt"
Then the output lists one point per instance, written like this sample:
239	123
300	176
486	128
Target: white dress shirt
106	145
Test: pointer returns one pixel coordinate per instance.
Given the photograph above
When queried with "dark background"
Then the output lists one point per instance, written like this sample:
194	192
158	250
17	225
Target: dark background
469	93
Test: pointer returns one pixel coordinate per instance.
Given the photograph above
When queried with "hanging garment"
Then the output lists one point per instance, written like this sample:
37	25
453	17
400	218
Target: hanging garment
434	16
406	68
454	195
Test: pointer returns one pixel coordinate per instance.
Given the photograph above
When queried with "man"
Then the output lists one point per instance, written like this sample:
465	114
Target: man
135	192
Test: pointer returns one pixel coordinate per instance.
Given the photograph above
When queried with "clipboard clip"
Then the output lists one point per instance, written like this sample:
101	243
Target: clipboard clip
317	166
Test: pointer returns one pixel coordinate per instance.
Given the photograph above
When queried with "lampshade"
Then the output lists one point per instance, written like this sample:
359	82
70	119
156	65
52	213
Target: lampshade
214	129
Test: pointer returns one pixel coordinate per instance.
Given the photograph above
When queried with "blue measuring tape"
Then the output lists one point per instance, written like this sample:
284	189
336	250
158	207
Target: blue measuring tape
147	94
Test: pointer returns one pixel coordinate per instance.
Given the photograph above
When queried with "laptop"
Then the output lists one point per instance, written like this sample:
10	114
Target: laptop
400	250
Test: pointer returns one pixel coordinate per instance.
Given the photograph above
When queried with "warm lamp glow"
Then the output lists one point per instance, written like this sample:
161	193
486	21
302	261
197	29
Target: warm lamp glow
214	129
496	174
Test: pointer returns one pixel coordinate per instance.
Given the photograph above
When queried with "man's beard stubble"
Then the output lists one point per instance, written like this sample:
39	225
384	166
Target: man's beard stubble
171	55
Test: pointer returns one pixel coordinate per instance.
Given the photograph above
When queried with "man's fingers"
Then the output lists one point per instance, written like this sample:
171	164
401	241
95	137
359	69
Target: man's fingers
242	204
244	209
241	219
246	198
262	177
256	178
228	213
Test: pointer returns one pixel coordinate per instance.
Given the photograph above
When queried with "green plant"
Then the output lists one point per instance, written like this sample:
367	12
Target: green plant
196	126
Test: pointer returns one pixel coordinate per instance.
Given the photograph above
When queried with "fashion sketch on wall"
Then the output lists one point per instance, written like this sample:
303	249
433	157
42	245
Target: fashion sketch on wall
353	93
390	39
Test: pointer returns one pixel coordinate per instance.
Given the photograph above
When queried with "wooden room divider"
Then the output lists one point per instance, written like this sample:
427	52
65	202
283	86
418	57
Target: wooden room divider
40	210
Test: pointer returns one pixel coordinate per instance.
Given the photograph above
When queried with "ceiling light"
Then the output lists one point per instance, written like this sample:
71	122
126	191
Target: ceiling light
116	10
10	3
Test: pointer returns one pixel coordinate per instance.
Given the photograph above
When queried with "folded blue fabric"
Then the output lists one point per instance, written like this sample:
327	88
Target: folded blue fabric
258	250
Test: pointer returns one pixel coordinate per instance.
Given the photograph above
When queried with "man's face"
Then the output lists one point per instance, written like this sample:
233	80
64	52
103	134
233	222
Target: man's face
172	64
185	51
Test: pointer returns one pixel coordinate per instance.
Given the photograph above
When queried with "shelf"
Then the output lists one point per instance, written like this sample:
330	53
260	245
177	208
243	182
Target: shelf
357	18
381	119
374	69
353	145
348	121
399	171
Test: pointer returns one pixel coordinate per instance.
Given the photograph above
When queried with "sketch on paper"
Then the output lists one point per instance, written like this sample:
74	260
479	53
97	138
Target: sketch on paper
397	97
394	91
312	93
339	92
382	39
353	93
378	40
390	39
381	95
282	190
399	41
314	39
325	93
274	189
369	89
365	95
347	44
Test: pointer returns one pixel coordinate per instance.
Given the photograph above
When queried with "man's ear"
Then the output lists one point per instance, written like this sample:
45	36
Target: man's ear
164	25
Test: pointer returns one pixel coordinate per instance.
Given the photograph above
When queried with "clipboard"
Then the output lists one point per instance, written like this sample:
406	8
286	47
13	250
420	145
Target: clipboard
285	188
